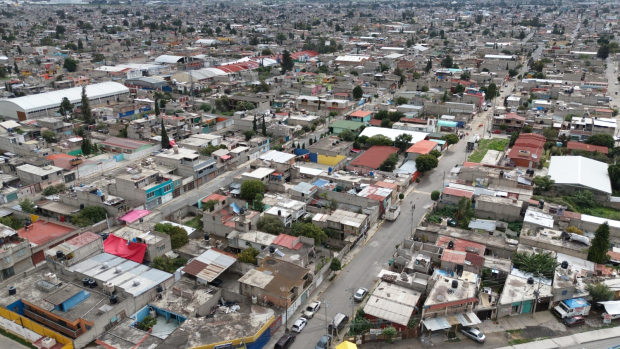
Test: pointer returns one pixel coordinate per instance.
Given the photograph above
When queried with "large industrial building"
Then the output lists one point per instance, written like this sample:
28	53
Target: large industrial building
47	104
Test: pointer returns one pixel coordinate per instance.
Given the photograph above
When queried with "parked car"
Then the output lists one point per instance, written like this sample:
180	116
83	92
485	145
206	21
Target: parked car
497	131
360	294
613	317
311	309
216	282
324	343
573	321
473	333
285	341
299	325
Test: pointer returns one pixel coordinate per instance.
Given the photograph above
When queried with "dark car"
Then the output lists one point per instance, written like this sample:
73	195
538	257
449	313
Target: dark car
216	282
576	320
285	341
473	333
324	343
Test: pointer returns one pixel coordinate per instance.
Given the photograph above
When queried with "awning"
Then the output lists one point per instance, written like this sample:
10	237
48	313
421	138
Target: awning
225	157
436	324
122	248
134	215
4	213
468	319
611	307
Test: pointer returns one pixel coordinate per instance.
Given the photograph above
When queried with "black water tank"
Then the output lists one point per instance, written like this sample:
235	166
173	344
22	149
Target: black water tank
12	290
530	280
59	254
541	203
85	281
272	249
450	245
501	173
113	299
455	284
565	265
92	283
207	237
160	289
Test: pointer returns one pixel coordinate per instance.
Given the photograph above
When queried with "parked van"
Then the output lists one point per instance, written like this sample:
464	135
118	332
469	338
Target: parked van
285	341
340	320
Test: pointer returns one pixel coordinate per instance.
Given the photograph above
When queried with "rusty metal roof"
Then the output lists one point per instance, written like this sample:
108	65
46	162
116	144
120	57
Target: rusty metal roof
210	264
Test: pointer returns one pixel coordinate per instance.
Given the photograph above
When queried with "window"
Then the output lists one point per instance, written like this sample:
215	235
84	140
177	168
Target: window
44	177
7	259
21	252
150	195
167	187
161	248
564	292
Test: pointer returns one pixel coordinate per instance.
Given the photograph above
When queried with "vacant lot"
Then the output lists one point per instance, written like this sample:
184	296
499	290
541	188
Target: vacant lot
484	145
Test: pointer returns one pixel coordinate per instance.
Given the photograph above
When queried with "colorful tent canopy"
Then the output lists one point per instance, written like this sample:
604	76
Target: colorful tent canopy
122	248
346	345
134	215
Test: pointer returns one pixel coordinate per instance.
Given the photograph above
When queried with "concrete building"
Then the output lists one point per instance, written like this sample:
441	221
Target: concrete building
392	305
15	257
46	175
499	208
146	187
157	244
521	294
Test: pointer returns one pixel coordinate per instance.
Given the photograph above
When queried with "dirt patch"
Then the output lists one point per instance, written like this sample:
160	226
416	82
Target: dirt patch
532	332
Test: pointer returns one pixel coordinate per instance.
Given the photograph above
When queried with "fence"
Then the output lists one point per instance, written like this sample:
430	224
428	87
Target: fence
142	153
11	321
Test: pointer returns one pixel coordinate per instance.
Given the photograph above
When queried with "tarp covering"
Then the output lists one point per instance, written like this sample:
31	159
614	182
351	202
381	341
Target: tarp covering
134	215
118	246
611	307
346	345
436	324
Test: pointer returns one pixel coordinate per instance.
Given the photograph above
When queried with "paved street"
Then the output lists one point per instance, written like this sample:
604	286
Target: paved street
6	343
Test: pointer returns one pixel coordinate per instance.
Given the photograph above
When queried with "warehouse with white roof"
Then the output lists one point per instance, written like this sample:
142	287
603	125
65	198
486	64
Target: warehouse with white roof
47	104
575	173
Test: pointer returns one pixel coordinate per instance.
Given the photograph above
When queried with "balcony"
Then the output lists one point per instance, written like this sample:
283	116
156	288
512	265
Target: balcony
53	325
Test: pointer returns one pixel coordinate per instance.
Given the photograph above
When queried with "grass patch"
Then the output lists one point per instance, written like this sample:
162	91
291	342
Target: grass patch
519	341
485	145
515	331
195	223
598	211
18	339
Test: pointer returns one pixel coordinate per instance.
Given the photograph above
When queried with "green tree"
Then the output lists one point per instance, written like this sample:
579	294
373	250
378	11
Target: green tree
66	107
86	147
379	140
12	222
491	92
464	212
358	92
86	113
459	89
429	66
270	225
248	135
157	111
258	203
402	141
70	64
309	230
603	52
264	127
436	153
89	215
146	324
450	139
543	263
513	138
526	129
543	183
426	162
447	62
550	133
466	76
335	264
250	188
401	100
80	45
599	292
347	135
435	195
601	139
248	255
597	252
49	136
287	63
165	141
27	206
389	164
389	333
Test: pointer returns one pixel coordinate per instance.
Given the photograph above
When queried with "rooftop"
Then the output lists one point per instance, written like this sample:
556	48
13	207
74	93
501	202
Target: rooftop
422	147
580	172
276	277
39	171
443	295
516	289
392	303
374	157
145	237
184	298
125	143
41	232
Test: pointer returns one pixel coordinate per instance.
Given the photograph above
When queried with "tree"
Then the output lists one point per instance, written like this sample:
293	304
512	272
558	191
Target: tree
147	323
402	141
429	66
603	52
49	136
599	292
258	203
335	264
459	88
436	153
287	63
89	215
526	129
248	135
205	107
264	127
447	62
435	195
379	140
389	164
389	333
543	183
491	92
513	72
27	206
426	162
347	135
248	255
597	252
70	64
466	76
12	222
402	100
309	230
165	141
550	133
464	212
80	45
450	139
358	92
602	139
86	147
65	107
157	111
270	225
86	113
543	263
250	188
513	138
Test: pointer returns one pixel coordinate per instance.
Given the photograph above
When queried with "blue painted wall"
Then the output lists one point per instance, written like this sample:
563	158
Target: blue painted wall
73	301
16	307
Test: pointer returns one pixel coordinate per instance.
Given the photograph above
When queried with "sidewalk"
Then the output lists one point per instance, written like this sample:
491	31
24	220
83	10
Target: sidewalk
568	341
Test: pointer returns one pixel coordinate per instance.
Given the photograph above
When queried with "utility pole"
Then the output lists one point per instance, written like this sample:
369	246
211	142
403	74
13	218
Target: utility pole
325	306
412	226
537	294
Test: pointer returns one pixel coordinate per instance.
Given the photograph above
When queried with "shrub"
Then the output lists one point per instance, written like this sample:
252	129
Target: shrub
435	195
574	230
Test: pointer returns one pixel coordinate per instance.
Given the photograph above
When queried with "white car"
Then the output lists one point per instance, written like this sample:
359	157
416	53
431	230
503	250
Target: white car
312	309
299	325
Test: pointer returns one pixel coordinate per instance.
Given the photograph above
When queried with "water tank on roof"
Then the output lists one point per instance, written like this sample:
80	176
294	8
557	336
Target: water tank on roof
329	170
530	280
372	173
450	245
565	265
12	290
99	192
455	284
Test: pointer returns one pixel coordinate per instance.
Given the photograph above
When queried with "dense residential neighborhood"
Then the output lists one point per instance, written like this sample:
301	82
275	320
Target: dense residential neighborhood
284	174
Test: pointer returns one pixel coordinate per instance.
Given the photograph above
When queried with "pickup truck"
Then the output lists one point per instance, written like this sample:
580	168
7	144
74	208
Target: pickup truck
572	307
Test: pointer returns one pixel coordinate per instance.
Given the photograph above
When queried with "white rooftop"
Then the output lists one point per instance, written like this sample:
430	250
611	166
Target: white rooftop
581	172
393	133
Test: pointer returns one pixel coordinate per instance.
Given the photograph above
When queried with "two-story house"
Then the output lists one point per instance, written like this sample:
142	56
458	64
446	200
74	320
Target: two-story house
146	187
